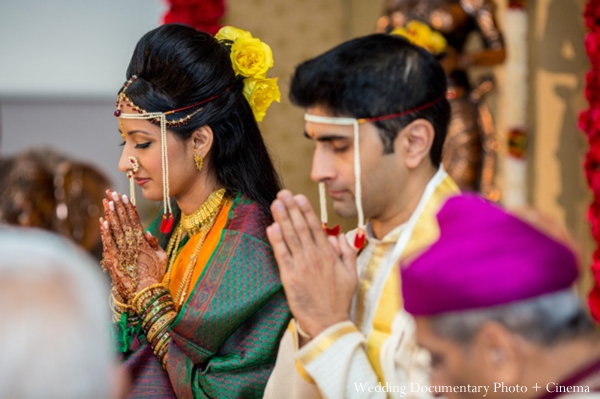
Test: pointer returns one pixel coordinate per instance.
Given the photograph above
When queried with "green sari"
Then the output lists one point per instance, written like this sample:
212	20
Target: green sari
226	335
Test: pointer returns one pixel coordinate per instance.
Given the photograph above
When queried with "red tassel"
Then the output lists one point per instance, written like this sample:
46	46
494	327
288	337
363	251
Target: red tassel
334	231
359	239
167	224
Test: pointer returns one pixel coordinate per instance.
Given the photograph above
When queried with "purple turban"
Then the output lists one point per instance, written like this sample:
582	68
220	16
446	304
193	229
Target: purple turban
484	257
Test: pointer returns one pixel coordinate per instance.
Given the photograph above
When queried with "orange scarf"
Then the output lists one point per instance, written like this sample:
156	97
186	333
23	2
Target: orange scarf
209	246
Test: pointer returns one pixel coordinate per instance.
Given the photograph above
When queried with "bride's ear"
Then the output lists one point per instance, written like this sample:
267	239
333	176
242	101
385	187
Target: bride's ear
202	140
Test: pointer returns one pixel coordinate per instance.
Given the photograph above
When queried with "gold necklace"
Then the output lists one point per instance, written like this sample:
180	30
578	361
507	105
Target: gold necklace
201	222
172	251
187	276
194	222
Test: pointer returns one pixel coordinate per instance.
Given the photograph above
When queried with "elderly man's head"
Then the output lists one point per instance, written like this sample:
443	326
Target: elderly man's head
494	304
54	340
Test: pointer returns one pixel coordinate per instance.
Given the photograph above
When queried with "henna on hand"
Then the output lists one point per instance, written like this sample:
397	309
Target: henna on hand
110	260
133	259
151	258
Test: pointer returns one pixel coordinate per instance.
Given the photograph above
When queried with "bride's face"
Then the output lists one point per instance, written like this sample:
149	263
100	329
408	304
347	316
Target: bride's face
142	140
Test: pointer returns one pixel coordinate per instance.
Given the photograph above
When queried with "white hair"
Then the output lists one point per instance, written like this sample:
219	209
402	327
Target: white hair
54	319
546	320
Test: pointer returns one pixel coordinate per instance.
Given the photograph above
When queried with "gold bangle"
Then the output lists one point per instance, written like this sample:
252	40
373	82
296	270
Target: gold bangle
153	301
161	325
157	327
161	349
156	310
111	305
146	292
161	342
119	304
301	332
149	297
114	308
164	359
148	288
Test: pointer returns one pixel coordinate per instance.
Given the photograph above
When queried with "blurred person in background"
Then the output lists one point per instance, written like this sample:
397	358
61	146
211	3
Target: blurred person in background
54	340
470	147
43	188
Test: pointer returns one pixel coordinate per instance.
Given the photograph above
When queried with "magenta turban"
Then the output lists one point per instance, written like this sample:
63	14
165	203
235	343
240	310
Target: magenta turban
484	257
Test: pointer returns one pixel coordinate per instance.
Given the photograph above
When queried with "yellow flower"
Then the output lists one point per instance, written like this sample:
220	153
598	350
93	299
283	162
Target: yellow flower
251	57
231	33
260	93
400	31
420	32
422	35
437	43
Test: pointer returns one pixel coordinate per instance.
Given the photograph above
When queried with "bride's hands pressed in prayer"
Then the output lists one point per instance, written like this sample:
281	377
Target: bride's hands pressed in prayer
133	259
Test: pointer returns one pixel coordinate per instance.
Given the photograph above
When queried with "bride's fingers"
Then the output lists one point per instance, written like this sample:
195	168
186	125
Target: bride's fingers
114	226
110	254
107	240
120	210
153	241
134	217
107	243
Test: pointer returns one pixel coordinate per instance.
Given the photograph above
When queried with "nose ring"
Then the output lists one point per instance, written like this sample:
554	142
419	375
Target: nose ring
135	166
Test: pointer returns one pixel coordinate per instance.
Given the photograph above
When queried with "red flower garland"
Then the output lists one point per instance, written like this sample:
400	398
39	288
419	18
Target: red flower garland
201	14
589	122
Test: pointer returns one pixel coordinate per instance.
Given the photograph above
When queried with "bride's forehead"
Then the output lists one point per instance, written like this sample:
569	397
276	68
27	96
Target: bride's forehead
131	126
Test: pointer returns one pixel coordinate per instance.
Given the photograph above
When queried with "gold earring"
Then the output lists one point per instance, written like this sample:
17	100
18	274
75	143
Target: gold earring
199	161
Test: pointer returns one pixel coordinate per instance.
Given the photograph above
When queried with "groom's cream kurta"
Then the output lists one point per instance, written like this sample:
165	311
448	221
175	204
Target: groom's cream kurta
375	354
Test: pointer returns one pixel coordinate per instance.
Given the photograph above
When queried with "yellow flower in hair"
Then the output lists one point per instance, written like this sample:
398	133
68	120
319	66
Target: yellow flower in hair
260	93
437	43
400	31
251	57
231	33
420	34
